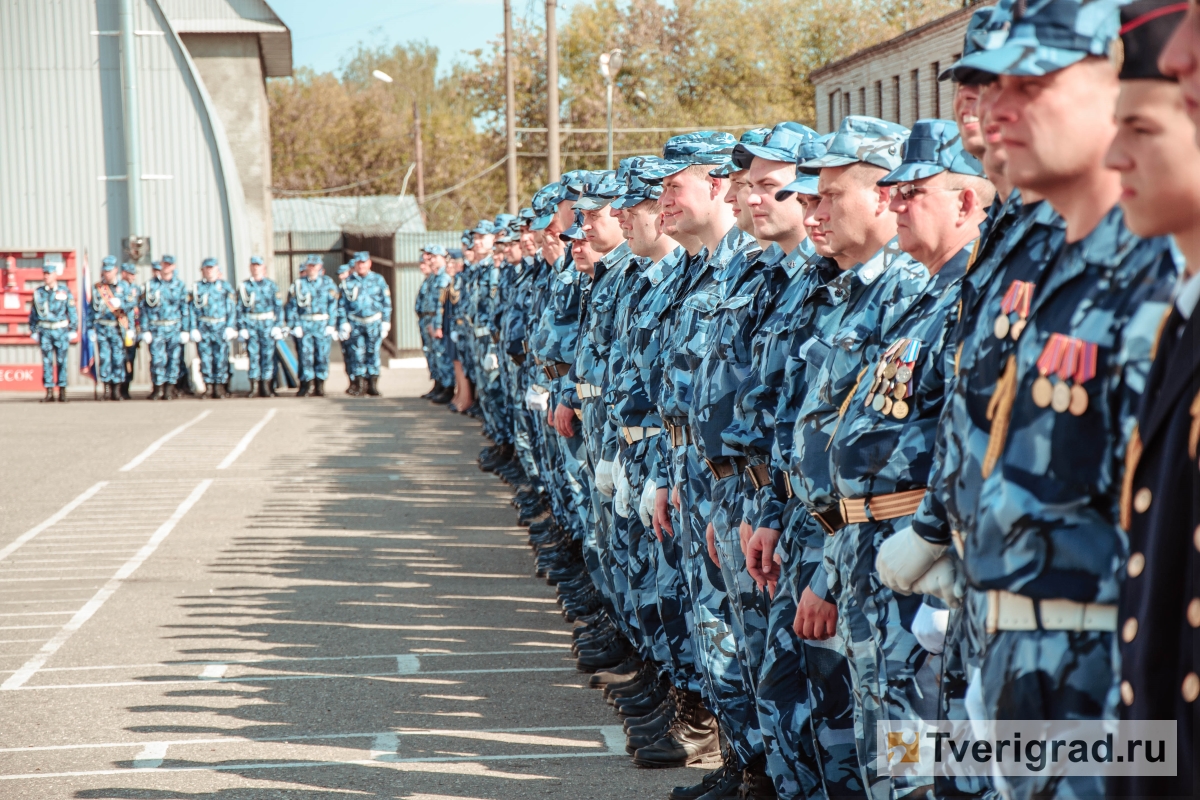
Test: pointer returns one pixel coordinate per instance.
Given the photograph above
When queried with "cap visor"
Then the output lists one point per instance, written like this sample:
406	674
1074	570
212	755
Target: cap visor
761	151
1014	58
910	172
828	160
541	223
805	184
663	171
629	201
591	203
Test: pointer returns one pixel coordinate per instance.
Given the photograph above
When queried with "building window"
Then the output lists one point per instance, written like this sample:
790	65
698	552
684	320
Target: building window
936	95
846	109
879	99
862	101
896	98
915	78
833	122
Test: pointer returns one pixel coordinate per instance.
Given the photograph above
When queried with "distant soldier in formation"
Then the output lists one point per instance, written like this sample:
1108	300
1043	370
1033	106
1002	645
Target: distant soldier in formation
53	321
109	325
311	313
164	321
260	314
366	314
214	325
133	301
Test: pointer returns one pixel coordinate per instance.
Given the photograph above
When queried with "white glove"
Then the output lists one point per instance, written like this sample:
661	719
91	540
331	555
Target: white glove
345	331
929	627
941	580
646	507
184	337
624	492
903	558
298	332
537	401
491	362
115	302
276	333
331	331
230	334
604	478
147	337
195	335
34	335
387	326
244	335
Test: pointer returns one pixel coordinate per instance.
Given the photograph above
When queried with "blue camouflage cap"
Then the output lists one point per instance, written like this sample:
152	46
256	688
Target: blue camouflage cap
702	147
636	189
806	183
575	232
343	267
316	259
525	216
752	136
361	255
211	262
467	239
129	266
600	190
781	144
434	250
484	228
454	252
545	203
504	221
973	42
108	264
934	146
571	184
253	259
49	266
171	259
109	260
156	265
1037	37
866	139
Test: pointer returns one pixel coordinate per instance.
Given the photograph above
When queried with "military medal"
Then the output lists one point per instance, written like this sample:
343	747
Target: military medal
1018	300
900	409
1060	398
1048	361
887	406
1085	372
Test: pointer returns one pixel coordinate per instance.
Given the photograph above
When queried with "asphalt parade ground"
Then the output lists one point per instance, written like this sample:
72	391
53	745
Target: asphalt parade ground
282	598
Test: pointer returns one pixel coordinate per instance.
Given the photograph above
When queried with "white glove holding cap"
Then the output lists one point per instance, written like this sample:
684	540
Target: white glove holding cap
195	334
244	335
624	491
345	331
491	362
331	331
929	628
184	338
387	326
941	580
537	400
230	334
34	335
604	478
298	332
276	333
147	337
646	507
903	557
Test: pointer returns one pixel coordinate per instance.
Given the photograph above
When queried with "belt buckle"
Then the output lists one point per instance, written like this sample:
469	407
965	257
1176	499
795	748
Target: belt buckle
820	518
628	438
711	467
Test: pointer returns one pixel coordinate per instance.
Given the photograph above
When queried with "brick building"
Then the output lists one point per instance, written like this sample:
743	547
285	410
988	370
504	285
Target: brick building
895	80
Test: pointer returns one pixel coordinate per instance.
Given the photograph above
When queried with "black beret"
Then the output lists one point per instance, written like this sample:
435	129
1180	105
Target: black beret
1146	25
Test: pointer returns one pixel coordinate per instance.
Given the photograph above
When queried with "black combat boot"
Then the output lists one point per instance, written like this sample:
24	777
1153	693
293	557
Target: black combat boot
355	389
724	781
691	739
125	391
107	392
115	391
167	393
756	783
253	388
49	398
265	389
373	385
444	395
154	392
318	387
214	391
303	389
62	394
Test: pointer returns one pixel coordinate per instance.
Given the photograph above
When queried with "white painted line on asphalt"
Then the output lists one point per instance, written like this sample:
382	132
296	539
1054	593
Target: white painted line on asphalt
57	516
213	671
153	448
245	442
21	676
384	746
151	756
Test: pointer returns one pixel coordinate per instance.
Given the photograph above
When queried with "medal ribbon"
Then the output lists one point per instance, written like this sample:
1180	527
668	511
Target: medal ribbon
1009	303
1025	301
1052	354
1086	369
1070	358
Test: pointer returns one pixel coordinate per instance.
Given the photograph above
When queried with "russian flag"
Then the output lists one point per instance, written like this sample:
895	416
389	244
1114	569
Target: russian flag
87	352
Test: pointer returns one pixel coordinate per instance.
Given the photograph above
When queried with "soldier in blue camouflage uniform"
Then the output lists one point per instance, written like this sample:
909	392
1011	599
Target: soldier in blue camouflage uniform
429	317
214	325
165	322
53	322
460	329
133	301
882	447
260	326
496	273
1035	486
697	216
825	356
343	272
108	322
422	302
746	299
312	315
366	314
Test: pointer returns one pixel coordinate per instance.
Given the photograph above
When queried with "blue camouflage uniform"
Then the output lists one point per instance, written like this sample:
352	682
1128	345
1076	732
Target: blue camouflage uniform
311	311
343	272
214	318
490	385
108	321
132	293
53	320
429	316
166	318
260	324
366	304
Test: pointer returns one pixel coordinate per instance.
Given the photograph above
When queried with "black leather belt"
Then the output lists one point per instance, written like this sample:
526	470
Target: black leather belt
830	519
556	369
518	359
722	468
759	475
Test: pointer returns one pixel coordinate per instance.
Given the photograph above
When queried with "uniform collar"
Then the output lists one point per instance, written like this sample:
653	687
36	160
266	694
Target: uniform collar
1187	293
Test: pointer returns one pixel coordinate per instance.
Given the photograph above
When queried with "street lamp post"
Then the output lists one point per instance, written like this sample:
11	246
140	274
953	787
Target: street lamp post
419	156
610	65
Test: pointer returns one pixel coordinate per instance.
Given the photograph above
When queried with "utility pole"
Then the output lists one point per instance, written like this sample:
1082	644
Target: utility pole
420	154
133	145
552	165
510	111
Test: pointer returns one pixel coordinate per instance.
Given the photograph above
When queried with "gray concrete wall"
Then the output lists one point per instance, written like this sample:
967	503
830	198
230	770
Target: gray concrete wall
232	72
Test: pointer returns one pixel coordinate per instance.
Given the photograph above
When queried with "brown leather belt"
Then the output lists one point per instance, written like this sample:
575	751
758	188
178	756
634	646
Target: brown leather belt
759	475
555	369
725	467
882	507
518	359
680	434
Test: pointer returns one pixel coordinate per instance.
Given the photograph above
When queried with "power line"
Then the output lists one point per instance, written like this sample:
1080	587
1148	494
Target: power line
428	197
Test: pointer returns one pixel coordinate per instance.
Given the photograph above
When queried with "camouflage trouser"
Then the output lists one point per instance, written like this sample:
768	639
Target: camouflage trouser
610	553
1050	675
639	568
545	452
166	353
443	365
490	388
423	322
894	678
110	353
523	423
574	458
672	595
55	344
750	605
805	701
718	659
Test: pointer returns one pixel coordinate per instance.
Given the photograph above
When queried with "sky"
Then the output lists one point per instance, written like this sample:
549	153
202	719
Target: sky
325	33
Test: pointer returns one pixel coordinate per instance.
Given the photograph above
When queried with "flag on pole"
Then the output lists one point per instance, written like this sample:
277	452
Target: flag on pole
87	353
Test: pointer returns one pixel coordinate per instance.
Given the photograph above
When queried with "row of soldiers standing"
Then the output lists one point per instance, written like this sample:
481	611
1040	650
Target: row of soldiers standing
166	316
816	434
